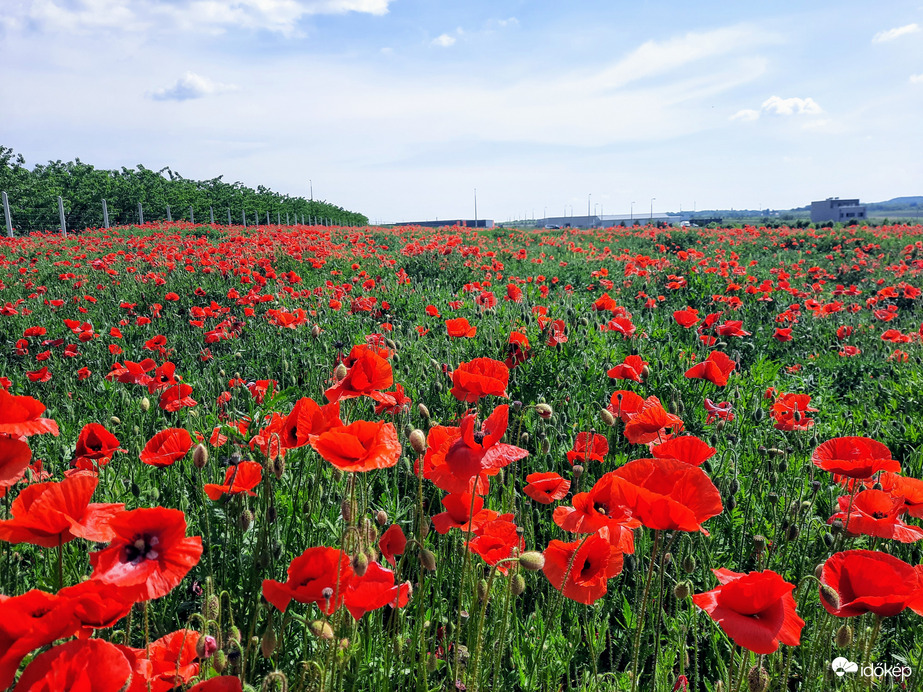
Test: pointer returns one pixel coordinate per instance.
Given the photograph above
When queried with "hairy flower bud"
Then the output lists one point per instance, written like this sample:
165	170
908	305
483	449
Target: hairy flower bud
757	679
483	590
219	662
321	629
418	441
423	411
831	596
381	517
145	404
844	636
682	590
607	417
428	560
532	561
360	564
200	456
544	411
269	641
206	647
518	584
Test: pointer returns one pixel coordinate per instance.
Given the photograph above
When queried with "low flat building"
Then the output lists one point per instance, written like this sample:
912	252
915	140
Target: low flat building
467	223
836	209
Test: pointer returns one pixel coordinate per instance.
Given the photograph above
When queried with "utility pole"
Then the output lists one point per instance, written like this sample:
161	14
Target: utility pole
475	207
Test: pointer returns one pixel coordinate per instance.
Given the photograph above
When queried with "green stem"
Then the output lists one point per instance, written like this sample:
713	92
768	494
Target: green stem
640	626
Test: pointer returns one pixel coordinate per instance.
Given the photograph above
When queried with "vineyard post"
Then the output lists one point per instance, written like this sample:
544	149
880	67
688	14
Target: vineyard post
256	218
229	216
267	218
140	214
286	219
191	216
61	214
105	215
169	215
302	219
243	215
6	214
211	213
278	218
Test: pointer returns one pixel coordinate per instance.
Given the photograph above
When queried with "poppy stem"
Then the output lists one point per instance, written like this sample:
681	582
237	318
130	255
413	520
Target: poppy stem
464	574
640	625
60	574
742	672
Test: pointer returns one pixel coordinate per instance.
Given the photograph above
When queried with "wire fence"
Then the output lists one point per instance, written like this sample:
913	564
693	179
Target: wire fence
65	216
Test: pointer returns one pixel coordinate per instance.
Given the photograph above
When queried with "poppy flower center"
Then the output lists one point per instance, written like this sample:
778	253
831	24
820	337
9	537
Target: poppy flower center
479	436
879	515
143	547
601	507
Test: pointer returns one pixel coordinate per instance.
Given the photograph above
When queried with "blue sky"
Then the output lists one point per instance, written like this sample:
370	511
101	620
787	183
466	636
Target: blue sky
399	109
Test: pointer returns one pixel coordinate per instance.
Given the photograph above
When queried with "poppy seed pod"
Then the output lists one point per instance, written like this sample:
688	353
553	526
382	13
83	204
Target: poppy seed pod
578	471
145	404
418	441
321	629
532	561
757	679
544	411
518	585
844	636
428	560
759	543
200	456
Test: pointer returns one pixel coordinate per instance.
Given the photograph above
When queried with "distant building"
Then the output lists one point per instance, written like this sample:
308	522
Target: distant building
605	220
836	209
469	223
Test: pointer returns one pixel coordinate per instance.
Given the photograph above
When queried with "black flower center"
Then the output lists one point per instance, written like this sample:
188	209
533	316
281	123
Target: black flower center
142	547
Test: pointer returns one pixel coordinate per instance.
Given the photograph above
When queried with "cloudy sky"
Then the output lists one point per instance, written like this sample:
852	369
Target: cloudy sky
400	109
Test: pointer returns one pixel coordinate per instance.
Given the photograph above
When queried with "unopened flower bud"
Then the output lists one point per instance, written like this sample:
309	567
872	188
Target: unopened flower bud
431	663
682	590
428	560
830	596
200	456
145	404
233	634
532	561
321	629
518	584
269	641
219	662
544	411
483	590
245	519
381	517
418	441
757	679
212	607
689	564
340	372
206	647
423	411
315	331
360	564
844	636
347	510
607	417
546	446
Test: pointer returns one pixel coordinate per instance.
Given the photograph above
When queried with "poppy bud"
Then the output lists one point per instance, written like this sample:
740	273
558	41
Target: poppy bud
428	560
360	564
645	372
418	441
836	526
877	486
682	590
517	405
758	415
815	486
607	417
269	641
831	596
578	471
315	331
233	634
828	540
340	372
347	510
200	456
114	420
518	585
390	344
689	564
757	679
212	608
532	561
735	487
219	662
719	425
793	532
844	636
370	531
245	519
544	411
145	404
731	503
321	629
431	663
773	498
546	446
206	647
819	571
423	411
483	591
381	517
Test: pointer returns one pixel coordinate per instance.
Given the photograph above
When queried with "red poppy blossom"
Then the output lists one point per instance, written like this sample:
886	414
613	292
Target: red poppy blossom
910	490
40	375
546	487
587	447
782	334
463	511
582	572
789	412
14	460
517	349
221	683
716	369
20	416
557	333
95	444
632	368
855	457
458	327
360	446
307	418
392	542
318	575
368	371
868	581
395	402
242	478
479	378
167	447
497	540
624	404
875	513
722	409
49	514
176	397
650	423
731	328
373	590
82	664
149	554
172	661
756	610
689	449
97	605
687	318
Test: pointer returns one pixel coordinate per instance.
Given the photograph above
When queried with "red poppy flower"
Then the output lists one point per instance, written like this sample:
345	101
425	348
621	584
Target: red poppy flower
172	661
479	378
176	397
432	311
868	581
716	369
605	302
624	404
167	447
318	575
221	683
462	509
582	572
546	487
40	375
497	540
95	444
632	368
242	478
855	457
910	490
756	610
368	371
596	509
27	622
689	449
722	409
82	664
373	590
49	514
164	376
782	334
458	327
588	446
14	460
789	412
666	494
687	318
650	423
875	513
517	349
395	402
307	419
456	456
97	605
150	552
557	333
360	446
731	328
392	542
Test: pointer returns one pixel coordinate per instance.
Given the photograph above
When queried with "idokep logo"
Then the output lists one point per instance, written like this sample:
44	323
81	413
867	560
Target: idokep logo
842	665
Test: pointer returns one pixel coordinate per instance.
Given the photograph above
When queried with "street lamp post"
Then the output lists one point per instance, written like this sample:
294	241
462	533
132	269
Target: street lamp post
588	209
632	214
475	207
652	209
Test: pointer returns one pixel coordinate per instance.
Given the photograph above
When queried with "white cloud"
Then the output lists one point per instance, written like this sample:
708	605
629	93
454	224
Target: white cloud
444	41
791	106
746	115
191	86
916	78
508	22
891	34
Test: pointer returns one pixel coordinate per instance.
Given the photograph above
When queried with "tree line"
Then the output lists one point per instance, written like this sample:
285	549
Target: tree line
33	197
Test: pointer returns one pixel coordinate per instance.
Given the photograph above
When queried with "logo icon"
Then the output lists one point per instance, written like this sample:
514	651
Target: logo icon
842	665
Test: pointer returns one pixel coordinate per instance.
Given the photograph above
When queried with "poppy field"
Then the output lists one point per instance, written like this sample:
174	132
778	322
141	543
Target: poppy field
315	458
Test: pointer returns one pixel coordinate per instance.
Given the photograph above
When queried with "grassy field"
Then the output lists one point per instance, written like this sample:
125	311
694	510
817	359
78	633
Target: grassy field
315	458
